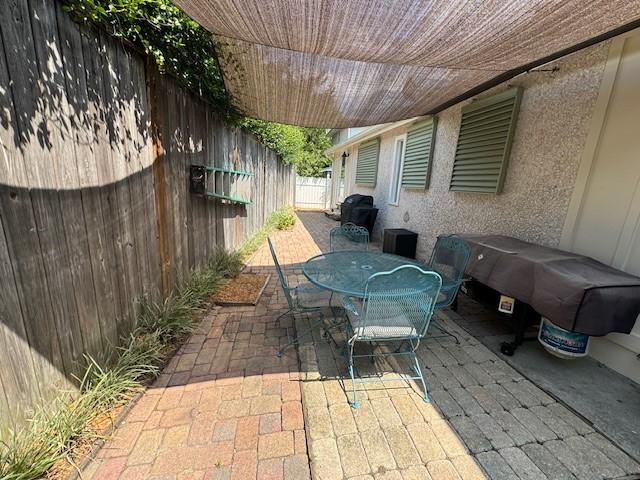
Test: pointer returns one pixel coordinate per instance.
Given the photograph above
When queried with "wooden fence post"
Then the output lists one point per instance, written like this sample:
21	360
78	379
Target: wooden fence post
158	157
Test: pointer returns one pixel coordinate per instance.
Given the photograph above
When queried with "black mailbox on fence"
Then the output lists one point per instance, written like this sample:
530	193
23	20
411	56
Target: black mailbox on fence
198	179
400	242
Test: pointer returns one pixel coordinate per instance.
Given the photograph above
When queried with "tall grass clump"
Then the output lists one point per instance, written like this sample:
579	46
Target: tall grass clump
56	429
280	219
52	431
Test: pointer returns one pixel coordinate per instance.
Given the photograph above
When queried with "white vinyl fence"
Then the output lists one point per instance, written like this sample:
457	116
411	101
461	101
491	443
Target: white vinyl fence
313	193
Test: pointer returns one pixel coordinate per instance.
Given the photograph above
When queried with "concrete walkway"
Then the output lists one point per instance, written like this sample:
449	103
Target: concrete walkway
227	407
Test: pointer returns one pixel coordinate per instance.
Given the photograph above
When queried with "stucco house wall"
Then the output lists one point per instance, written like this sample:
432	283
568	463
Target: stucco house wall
557	105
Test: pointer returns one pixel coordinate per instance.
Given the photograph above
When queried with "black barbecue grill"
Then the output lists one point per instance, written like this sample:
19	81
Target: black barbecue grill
359	209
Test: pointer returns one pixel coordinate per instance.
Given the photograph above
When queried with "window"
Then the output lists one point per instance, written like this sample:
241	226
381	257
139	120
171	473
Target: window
396	172
484	143
367	167
418	154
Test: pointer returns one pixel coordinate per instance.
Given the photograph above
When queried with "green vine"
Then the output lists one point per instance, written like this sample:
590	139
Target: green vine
179	45
304	147
184	49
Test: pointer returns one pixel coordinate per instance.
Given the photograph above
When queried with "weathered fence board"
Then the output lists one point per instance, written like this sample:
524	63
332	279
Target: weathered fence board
64	272
20	377
19	380
79	228
95	211
102	224
26	211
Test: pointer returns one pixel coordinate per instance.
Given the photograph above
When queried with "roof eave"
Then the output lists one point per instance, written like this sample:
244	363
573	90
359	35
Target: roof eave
372	133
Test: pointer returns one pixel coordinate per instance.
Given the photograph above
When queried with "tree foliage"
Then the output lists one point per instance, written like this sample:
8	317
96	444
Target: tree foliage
179	45
304	147
182	48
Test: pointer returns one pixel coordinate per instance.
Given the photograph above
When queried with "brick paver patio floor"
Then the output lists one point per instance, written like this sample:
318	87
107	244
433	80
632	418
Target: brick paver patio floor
226	407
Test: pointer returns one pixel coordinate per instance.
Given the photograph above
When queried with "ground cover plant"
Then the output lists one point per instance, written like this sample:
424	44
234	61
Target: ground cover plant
70	423
73	418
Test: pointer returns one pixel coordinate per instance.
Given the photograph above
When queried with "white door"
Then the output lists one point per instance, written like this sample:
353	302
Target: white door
604	217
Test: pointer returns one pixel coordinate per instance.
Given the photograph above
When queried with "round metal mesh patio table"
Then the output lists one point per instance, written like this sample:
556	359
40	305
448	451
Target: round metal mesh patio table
348	271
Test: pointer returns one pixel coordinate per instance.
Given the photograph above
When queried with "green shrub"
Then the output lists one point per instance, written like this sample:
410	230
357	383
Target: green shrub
284	218
53	430
137	361
300	146
169	319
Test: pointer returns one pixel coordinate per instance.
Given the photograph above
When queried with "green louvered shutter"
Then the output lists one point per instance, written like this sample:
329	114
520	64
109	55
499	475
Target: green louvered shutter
418	155
484	143
367	169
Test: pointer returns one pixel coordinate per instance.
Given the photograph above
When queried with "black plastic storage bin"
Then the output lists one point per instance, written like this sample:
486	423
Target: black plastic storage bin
400	241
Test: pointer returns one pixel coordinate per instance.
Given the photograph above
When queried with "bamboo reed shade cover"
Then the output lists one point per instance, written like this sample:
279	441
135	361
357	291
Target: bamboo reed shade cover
347	63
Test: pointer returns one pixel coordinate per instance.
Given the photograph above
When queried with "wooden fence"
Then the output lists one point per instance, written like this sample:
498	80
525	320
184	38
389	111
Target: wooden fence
95	211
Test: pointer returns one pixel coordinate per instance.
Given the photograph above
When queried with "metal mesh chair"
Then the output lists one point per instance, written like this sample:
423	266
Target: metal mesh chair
302	298
397	307
348	237
449	258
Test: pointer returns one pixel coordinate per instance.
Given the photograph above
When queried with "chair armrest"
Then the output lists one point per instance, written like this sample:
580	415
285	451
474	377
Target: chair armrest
450	286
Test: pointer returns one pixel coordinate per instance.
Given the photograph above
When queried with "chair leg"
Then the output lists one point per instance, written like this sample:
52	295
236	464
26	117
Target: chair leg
335	309
418	370
282	315
291	341
296	340
336	323
445	331
354	403
326	334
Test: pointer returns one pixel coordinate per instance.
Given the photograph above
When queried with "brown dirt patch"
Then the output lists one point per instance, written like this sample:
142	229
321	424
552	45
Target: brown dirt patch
245	289
99	427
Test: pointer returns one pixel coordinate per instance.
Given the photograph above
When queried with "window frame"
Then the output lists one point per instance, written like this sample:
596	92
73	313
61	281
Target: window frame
396	171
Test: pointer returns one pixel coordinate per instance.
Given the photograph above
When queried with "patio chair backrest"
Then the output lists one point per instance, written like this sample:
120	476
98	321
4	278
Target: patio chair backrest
449	258
348	237
402	297
283	279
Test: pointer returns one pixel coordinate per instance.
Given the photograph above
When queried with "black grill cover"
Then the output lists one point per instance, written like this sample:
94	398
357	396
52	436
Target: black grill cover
359	209
358	200
573	291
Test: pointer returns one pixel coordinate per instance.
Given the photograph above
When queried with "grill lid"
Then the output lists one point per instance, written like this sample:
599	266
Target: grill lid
357	200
